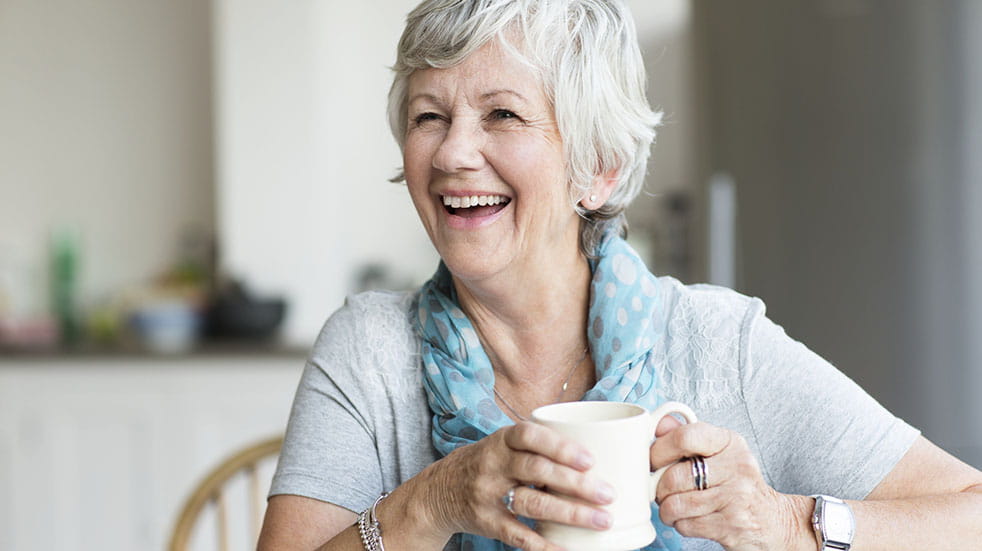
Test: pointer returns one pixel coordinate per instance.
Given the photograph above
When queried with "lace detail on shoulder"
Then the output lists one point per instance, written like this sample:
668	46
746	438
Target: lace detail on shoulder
702	345
377	339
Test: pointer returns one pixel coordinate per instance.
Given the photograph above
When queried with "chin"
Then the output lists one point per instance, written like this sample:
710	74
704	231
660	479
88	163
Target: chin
471	267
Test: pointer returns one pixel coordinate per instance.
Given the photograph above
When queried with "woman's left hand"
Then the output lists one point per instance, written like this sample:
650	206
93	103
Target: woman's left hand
739	509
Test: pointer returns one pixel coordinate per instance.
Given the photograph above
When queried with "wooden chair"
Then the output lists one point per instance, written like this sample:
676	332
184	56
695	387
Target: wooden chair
213	489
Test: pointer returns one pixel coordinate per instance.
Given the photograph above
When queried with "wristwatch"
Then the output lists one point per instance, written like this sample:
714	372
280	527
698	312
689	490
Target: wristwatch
833	522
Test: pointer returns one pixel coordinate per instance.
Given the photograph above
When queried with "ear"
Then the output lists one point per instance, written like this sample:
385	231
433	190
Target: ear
603	185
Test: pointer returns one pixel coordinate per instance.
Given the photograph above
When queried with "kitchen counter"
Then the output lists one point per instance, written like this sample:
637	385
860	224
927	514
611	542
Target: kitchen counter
106	444
206	350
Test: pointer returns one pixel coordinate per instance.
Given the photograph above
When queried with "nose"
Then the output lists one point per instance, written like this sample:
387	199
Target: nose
461	148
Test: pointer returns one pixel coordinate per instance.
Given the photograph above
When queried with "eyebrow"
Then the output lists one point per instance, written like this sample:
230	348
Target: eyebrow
493	93
425	96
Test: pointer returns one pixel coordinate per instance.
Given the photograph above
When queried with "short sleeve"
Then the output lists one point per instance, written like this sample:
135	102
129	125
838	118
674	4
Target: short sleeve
330	452
817	430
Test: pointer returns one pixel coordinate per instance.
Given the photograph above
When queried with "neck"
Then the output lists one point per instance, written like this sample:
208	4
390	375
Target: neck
533	326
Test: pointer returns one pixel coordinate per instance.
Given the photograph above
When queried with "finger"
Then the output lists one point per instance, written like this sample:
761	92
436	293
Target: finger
541	440
516	534
538	470
540	505
689	440
679	477
710	526
687	505
667	424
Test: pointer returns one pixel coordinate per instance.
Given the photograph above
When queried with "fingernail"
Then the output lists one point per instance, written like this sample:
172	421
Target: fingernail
601	519
605	492
584	460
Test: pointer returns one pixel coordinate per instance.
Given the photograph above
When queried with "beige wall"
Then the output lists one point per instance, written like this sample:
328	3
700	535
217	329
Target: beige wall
105	126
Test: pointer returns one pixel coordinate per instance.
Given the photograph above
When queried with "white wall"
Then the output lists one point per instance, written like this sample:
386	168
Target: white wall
304	152
105	126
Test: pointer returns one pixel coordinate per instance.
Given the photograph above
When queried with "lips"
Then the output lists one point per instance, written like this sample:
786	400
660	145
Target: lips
470	211
476	212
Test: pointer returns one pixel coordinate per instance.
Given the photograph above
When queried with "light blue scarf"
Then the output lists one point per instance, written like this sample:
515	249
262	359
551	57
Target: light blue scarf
459	378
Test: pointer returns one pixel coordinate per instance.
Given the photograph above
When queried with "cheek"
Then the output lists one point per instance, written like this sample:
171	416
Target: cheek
414	154
425	208
416	166
418	193
540	168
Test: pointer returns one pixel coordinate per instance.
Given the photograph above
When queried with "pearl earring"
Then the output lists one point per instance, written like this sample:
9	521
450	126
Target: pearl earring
593	198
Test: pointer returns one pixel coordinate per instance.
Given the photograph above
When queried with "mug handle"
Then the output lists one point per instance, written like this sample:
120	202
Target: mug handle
656	416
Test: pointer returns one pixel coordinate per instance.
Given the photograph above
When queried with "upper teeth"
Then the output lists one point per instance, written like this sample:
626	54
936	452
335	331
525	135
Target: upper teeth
472	201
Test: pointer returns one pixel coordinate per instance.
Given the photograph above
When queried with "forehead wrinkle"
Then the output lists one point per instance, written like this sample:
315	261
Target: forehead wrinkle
444	85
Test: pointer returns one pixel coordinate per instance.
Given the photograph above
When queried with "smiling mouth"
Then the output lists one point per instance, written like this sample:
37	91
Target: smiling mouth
474	206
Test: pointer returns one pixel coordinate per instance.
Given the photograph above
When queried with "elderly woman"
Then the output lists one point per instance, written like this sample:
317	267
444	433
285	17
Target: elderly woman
525	134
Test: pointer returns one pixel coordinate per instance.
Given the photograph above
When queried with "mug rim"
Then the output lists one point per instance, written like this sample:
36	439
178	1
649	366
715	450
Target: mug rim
639	411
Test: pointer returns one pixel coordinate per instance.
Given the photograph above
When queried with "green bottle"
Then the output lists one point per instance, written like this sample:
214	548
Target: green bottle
64	282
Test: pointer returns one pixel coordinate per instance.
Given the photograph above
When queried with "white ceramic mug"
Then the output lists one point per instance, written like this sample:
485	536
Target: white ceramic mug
619	436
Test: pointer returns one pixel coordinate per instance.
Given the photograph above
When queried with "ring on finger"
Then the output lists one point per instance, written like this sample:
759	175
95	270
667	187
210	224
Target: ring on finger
700	473
509	500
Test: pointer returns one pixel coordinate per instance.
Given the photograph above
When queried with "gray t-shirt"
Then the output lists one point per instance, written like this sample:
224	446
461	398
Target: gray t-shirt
360	423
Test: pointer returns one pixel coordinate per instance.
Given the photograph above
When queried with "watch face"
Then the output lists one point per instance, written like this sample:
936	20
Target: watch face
838	522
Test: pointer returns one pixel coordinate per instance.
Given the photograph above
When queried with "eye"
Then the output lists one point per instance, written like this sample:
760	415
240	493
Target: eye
423	118
502	114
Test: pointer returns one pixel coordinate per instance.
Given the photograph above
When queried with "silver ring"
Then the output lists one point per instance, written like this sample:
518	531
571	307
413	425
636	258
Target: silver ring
700	473
509	500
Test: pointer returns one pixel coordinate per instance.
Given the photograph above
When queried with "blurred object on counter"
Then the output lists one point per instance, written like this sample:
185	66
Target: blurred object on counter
235	313
64	251
196	258
29	334
25	323
43	306
104	324
167	326
167	317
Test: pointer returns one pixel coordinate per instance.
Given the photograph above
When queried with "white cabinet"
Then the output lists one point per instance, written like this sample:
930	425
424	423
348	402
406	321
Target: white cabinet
100	453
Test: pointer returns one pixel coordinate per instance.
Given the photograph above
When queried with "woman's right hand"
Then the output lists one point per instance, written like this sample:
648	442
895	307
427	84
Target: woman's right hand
463	491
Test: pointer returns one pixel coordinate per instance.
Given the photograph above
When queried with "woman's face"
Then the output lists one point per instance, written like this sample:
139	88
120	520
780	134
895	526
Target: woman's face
484	129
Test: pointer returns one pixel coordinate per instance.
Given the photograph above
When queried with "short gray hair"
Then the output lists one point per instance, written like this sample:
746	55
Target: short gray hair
586	53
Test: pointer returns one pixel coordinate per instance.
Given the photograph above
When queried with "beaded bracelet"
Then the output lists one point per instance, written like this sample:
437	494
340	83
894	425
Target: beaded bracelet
369	528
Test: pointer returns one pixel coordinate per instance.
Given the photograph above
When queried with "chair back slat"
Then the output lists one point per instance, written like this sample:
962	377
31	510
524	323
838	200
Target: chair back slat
255	500
212	491
221	510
